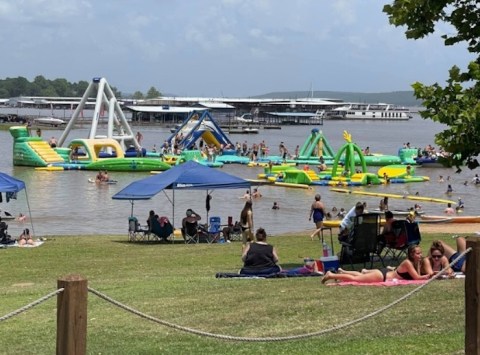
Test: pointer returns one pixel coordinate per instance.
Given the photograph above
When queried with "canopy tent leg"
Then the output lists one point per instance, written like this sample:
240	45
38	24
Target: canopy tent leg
29	211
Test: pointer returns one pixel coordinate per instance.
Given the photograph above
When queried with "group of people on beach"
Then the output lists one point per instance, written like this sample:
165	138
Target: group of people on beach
25	238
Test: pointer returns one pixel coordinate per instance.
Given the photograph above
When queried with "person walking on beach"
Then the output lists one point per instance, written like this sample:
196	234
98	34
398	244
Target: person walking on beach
317	212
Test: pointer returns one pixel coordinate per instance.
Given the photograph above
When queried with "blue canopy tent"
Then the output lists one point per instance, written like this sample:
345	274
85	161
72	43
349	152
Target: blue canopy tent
186	176
9	184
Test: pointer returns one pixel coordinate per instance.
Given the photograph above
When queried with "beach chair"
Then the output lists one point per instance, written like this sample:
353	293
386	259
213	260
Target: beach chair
135	231
161	229
404	234
361	245
214	229
191	233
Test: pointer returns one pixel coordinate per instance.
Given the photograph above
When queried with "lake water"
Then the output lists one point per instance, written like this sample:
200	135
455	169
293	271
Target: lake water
65	203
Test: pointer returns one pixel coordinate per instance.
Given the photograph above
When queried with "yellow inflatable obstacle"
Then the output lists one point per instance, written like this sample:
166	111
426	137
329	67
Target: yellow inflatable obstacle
407	197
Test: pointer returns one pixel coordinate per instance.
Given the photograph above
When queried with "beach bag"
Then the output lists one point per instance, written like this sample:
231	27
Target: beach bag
6	239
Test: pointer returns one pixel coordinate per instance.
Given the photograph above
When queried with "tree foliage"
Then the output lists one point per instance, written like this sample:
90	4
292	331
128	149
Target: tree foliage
40	86
456	104
153	93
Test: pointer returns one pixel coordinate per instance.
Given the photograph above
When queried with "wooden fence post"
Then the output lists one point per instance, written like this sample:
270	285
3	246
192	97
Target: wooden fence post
72	316
472	298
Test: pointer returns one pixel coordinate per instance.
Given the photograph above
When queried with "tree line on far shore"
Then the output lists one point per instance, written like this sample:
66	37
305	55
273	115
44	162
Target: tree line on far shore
40	86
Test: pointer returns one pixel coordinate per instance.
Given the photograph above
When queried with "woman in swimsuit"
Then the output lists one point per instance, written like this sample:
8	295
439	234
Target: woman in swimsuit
317	211
409	269
436	260
452	254
246	222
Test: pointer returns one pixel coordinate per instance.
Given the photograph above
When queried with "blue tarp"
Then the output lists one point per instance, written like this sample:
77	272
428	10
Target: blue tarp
186	176
10	184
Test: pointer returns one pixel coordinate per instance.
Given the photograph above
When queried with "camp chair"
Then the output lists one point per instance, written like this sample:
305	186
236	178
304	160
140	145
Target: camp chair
161	228
404	234
135	230
361	245
214	229
235	232
191	233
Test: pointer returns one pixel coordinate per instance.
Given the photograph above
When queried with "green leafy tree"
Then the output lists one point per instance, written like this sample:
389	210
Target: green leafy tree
457	103
137	95
153	93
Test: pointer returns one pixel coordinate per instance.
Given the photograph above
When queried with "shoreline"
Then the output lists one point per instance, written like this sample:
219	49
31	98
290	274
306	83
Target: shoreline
428	228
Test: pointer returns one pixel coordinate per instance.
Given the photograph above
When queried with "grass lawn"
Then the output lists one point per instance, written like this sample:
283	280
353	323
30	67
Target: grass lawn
176	283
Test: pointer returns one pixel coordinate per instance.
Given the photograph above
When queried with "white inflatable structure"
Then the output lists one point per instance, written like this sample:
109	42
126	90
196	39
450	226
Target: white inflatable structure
117	126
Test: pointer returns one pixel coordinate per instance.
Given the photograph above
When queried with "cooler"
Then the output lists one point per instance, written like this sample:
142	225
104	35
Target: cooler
330	263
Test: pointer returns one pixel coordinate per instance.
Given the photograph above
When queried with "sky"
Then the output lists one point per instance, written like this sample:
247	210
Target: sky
220	48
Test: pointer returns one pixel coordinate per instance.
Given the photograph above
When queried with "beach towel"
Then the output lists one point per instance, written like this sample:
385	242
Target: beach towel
381	283
35	244
278	275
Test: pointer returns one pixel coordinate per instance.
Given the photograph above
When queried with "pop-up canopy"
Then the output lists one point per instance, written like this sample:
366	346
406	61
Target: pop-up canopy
9	184
187	176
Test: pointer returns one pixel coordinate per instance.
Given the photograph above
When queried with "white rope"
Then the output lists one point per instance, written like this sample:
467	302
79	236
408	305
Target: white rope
31	305
284	338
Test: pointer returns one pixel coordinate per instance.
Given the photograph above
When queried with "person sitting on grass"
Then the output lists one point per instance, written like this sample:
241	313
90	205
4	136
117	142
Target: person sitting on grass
25	238
436	260
452	254
260	258
409	269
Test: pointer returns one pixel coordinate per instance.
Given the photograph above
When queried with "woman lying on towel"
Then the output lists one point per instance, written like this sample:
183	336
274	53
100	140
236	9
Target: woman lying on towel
409	269
259	257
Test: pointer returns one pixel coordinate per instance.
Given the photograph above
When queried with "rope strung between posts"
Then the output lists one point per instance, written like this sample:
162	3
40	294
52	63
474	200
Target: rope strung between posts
272	339
31	305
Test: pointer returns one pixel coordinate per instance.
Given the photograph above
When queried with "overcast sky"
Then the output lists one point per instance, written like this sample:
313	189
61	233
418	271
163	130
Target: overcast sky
231	48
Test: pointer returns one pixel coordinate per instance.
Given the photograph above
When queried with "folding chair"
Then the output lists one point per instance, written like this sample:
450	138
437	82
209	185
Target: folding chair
135	230
404	234
214	229
191	233
162	229
361	245
235	232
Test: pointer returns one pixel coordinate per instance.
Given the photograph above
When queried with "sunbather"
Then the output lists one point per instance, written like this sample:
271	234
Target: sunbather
25	238
436	260
451	253
409	269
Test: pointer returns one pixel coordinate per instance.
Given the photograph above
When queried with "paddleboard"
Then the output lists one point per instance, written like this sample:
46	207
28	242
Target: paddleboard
407	197
109	182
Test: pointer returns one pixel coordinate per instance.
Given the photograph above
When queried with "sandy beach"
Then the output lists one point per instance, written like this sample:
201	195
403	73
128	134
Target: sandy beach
464	229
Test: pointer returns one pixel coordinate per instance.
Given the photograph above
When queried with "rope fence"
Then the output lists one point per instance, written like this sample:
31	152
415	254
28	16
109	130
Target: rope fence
31	305
75	283
274	339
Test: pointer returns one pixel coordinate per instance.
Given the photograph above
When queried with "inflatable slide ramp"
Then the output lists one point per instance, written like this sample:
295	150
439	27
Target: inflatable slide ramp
45	152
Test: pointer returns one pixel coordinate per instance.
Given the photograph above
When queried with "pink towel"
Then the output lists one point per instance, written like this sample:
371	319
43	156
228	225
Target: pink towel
382	283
